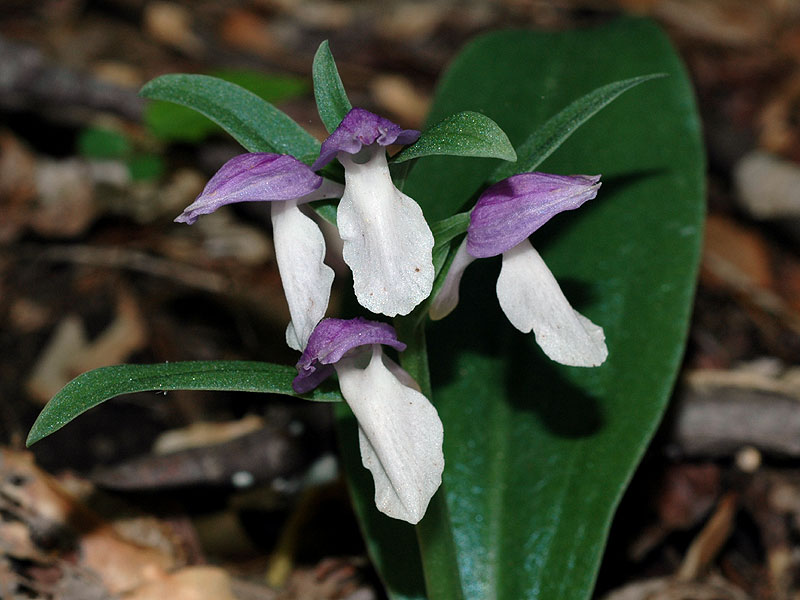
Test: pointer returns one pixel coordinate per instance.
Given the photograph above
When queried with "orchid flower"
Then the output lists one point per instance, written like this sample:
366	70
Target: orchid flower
503	218
299	246
399	431
387	242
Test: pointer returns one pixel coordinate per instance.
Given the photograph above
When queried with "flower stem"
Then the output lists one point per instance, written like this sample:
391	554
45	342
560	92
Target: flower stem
434	531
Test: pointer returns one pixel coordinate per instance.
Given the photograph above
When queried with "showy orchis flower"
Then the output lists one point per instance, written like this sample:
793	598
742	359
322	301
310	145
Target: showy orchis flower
399	431
299	246
387	242
505	215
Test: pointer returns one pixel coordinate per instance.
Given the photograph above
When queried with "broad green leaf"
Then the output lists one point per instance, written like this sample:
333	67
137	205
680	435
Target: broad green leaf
94	387
466	133
332	101
252	121
547	138
537	454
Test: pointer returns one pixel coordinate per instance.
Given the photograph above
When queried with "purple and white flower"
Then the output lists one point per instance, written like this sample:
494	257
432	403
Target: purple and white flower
399	431
286	183
505	215
387	242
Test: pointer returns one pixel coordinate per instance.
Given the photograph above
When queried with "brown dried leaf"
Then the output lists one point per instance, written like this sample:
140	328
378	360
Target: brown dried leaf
205	434
171	24
247	31
741	248
65	206
397	95
710	540
17	186
47	507
190	583
664	588
69	353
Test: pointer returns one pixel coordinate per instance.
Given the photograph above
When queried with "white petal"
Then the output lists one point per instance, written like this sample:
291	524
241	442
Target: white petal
447	297
531	299
400	436
387	242
300	251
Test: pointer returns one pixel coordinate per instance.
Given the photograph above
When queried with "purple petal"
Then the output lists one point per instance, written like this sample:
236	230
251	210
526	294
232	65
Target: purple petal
258	176
331	340
362	128
512	209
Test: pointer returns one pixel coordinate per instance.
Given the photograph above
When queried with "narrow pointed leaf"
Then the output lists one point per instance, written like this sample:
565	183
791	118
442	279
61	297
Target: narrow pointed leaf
545	140
94	387
467	133
332	101
253	122
447	229
172	122
444	232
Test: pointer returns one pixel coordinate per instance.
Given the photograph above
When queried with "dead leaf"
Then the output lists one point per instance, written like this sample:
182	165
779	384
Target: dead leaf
710	540
65	198
398	95
201	434
17	186
48	508
411	21
190	583
69	353
247	31
740	247
171	24
665	588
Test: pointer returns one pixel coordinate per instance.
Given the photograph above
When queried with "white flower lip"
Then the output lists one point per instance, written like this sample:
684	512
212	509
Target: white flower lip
400	433
503	218
532	300
400	436
299	246
306	279
387	242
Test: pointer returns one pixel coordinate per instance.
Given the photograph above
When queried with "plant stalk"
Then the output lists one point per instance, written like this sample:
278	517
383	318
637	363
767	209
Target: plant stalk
434	532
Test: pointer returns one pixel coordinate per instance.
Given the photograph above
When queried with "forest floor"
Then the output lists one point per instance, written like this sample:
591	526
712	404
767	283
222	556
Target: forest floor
92	272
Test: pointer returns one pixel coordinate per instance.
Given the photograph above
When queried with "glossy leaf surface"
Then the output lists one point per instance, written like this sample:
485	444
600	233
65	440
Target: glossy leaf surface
555	131
93	387
537	454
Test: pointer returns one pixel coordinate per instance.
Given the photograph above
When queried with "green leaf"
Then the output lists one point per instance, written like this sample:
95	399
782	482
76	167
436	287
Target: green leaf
467	133
537	454
444	232
172	122
327	210
450	228
253	122
93	387
332	101
544	141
